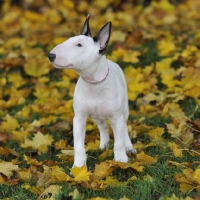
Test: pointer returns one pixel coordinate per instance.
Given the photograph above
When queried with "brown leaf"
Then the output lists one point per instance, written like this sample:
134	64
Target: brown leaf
4	136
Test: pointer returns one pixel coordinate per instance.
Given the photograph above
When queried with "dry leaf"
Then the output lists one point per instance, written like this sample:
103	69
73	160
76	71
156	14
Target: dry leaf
7	168
145	159
10	124
39	142
50	193
80	174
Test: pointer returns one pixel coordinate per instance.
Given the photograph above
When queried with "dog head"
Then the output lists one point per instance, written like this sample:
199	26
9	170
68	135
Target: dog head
81	51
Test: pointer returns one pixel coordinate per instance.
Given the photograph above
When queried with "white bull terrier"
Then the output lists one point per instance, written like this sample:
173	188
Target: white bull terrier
100	93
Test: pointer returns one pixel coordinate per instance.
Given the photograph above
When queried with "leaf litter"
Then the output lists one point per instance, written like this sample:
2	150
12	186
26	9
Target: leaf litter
36	100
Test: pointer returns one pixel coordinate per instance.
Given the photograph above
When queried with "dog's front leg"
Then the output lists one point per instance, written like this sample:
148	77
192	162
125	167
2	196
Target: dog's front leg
79	123
104	135
119	129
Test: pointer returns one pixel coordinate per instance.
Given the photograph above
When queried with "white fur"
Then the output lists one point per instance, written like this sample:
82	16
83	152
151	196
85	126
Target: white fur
106	100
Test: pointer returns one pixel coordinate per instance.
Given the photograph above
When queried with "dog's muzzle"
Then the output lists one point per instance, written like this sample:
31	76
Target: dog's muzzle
52	56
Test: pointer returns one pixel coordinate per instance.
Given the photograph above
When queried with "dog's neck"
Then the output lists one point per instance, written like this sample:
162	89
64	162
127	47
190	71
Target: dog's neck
96	73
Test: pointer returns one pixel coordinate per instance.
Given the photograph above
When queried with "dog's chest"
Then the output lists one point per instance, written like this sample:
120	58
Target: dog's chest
96	100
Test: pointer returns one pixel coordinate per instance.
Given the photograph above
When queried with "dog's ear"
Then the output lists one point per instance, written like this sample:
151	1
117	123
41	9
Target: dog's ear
86	28
102	38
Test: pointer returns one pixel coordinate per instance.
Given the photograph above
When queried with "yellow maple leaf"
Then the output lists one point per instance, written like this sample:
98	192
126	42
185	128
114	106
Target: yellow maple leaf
187	180
105	154
32	161
118	36
176	131
75	194
25	174
67	155
92	145
16	79
173	197
177	152
25	112
39	142
193	92
175	111
20	135
156	133
190	78
163	65
37	68
7	168
61	144
112	181
117	54
103	169
145	159
53	16
50	192
81	174
185	187
124	198
197	175
131	56
165	47
58	174
10	124
168	78
190	49
34	189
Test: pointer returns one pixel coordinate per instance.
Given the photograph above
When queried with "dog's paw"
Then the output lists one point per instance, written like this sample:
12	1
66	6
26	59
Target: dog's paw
120	156
131	149
80	161
123	159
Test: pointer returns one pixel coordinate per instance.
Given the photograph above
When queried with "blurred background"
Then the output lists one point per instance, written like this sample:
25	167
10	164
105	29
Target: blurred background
144	32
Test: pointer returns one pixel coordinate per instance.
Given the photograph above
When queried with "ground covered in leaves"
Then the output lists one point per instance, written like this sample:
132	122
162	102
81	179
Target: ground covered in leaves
157	46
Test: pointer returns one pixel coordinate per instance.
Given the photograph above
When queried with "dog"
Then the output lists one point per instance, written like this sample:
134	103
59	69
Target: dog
100	92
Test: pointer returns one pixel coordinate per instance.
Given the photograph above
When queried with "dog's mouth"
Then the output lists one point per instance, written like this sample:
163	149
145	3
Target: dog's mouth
61	67
57	66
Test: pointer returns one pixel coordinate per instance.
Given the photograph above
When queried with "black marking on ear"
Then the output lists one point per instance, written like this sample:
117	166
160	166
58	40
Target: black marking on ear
103	37
102	51
86	28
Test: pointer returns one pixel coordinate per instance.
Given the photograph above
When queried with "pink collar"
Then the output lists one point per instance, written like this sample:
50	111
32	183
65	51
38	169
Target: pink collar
98	81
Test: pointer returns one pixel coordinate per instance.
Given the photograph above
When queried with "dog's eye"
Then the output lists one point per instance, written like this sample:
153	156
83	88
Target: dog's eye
79	45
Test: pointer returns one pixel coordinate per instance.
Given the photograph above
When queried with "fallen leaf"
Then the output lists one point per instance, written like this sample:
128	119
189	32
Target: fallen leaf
92	146
50	193
165	47
39	142
145	159
7	168
75	194
105	154
80	174
177	152
10	124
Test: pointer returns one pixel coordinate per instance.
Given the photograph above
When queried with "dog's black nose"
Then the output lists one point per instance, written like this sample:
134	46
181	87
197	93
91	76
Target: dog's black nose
52	56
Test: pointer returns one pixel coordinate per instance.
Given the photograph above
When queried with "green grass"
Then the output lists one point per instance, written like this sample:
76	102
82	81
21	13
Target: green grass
162	183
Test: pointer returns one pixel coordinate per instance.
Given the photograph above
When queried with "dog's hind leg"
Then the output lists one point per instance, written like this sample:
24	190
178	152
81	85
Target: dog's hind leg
128	145
104	135
119	129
